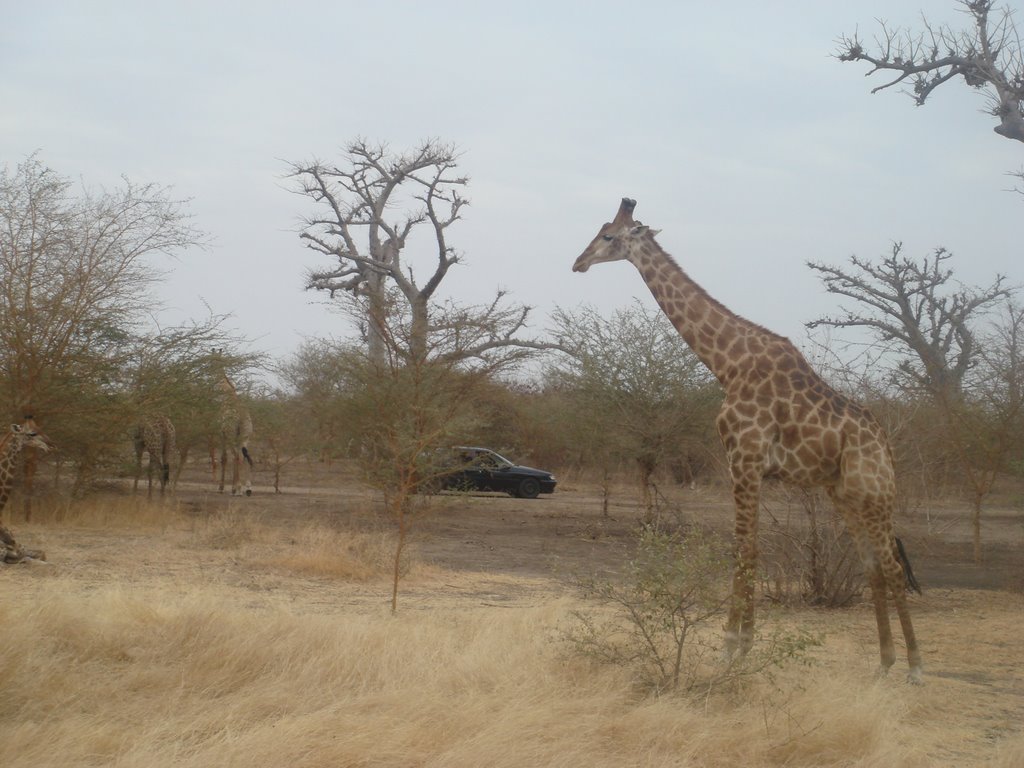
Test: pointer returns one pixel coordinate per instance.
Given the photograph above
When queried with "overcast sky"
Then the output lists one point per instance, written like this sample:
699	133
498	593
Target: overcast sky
742	139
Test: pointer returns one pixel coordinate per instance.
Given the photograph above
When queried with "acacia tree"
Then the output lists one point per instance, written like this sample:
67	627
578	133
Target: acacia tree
639	392
75	289
174	371
927	325
402	409
372	207
988	57
318	376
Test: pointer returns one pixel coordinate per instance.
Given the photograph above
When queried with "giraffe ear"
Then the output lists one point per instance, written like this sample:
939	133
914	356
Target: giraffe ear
643	229
16	428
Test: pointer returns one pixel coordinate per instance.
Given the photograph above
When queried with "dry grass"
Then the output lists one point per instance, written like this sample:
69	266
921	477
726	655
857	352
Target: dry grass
351	555
161	636
114	679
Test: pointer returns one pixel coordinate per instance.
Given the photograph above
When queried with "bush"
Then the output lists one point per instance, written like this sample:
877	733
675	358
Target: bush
659	615
811	560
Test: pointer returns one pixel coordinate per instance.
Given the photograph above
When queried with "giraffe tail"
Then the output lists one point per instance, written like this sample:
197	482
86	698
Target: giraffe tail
165	472
905	561
245	453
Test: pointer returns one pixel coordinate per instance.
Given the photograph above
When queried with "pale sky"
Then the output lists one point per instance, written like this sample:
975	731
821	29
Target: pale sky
741	138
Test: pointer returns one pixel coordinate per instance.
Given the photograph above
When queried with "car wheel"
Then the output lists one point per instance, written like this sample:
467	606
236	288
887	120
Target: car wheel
528	489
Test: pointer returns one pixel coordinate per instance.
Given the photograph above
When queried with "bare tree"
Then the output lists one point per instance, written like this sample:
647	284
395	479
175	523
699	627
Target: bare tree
374	206
918	314
988	57
915	309
356	200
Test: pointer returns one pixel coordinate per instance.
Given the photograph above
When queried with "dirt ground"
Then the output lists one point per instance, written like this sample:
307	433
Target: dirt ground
566	532
493	550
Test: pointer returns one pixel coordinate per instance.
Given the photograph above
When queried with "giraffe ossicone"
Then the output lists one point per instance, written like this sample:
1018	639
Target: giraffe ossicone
779	420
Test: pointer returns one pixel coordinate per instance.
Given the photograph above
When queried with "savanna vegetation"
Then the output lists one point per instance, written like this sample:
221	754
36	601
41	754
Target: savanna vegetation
342	616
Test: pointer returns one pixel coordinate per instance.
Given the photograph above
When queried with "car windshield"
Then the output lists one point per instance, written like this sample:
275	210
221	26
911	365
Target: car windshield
482	458
495	459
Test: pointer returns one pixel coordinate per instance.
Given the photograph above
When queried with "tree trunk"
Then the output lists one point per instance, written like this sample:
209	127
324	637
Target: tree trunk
376	320
606	489
182	458
976	524
418	332
400	513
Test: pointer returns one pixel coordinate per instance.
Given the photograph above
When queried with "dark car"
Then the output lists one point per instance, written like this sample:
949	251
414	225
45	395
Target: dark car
481	469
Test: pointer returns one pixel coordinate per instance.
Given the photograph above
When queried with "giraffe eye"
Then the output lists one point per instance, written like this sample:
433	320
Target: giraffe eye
607	238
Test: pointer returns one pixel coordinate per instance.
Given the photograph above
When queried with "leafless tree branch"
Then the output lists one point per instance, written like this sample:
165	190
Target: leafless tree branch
988	57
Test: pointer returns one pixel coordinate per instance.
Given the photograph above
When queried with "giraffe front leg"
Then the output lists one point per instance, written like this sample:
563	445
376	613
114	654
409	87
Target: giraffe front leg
247	468
739	629
223	467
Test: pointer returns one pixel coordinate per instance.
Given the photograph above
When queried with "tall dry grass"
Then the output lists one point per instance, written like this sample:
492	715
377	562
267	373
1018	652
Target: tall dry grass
103	511
109	678
190	663
312	549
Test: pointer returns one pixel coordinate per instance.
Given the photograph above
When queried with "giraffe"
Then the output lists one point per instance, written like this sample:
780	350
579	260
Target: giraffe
235	433
155	436
21	436
778	420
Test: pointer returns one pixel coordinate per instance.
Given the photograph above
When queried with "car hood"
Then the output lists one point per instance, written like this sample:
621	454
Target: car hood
527	471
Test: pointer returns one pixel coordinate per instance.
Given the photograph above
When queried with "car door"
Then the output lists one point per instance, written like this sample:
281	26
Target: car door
466	474
480	472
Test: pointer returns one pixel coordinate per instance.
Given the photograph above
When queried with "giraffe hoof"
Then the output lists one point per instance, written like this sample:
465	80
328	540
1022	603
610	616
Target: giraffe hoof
915	676
248	491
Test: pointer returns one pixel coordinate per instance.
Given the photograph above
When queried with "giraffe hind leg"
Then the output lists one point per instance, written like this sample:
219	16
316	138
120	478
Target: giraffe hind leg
889	577
897	580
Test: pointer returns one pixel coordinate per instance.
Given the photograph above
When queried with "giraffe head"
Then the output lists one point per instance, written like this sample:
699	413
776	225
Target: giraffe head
617	240
27	435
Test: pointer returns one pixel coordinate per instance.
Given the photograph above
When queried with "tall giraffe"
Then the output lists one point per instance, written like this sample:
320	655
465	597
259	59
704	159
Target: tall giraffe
235	433
779	419
154	436
11	445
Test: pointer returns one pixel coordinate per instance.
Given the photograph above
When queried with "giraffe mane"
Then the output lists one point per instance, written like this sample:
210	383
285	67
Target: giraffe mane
720	306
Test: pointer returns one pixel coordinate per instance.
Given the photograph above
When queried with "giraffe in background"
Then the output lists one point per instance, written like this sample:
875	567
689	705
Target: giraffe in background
154	436
780	420
235	433
20	436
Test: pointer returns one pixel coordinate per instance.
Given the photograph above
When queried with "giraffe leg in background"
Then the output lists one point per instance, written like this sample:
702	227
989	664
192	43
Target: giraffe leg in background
739	629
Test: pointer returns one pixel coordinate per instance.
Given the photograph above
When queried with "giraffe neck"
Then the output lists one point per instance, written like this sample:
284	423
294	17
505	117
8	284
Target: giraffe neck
708	327
10	447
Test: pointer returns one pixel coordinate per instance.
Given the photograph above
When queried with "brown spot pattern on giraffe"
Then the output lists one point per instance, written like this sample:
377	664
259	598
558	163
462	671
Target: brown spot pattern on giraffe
778	419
